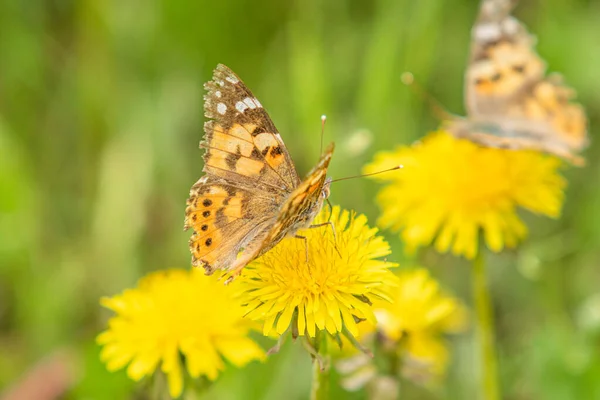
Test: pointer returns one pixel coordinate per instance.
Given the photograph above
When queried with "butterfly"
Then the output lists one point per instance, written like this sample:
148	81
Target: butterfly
510	101
251	196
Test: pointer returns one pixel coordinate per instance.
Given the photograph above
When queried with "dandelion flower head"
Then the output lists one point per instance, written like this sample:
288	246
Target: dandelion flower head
450	189
410	328
416	319
331	289
171	313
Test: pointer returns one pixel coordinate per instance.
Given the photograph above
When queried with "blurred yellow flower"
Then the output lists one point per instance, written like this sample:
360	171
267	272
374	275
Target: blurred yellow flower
419	314
175	312
410	332
342	276
449	189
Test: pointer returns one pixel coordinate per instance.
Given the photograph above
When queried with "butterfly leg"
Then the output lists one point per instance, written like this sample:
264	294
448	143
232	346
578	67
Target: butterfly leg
323	224
305	244
332	230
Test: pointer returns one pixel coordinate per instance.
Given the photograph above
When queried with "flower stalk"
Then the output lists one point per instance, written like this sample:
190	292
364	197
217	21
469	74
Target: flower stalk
321	368
485	329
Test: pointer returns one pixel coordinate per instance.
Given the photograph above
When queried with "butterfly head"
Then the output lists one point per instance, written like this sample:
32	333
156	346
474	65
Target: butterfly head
321	169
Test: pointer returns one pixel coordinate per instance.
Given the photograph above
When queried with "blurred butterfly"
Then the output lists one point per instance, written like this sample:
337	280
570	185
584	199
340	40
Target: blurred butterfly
251	196
510	101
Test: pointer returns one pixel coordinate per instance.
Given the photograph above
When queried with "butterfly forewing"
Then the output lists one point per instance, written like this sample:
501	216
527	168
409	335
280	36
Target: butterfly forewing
241	139
502	63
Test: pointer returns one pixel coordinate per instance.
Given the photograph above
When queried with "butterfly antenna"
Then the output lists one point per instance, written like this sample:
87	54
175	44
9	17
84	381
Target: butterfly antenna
371	174
323	120
436	107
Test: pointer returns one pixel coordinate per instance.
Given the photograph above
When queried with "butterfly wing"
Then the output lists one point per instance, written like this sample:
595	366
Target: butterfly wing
503	64
249	174
242	142
225	218
509	99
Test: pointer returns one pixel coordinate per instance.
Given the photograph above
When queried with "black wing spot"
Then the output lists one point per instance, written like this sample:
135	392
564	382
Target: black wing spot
231	160
206	214
208	242
207	202
265	150
519	69
276	151
496	77
258	130
204	227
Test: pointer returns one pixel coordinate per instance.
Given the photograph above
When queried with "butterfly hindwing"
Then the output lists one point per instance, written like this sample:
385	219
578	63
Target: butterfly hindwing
224	218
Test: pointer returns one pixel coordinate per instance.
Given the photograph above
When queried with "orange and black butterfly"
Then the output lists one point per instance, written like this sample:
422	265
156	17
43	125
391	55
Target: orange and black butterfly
510	101
251	196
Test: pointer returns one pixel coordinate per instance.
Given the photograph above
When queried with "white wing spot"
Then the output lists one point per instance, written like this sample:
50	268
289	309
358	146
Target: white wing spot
257	103
240	106
249	102
220	82
218	93
232	79
487	32
221	108
511	26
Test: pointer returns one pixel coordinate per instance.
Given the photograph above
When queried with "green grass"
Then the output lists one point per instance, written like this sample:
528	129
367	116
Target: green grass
100	119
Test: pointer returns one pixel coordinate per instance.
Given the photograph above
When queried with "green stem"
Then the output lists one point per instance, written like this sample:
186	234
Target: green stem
160	390
485	329
321	369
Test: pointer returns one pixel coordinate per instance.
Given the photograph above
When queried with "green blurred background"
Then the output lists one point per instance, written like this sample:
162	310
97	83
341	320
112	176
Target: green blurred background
100	119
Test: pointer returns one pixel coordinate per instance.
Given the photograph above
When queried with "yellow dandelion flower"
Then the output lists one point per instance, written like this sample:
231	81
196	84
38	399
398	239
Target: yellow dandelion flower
342	275
172	313
419	314
450	189
411	329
